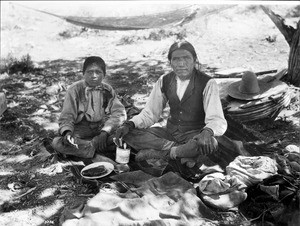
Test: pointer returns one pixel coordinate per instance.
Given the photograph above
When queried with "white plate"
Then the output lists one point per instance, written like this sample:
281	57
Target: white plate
108	166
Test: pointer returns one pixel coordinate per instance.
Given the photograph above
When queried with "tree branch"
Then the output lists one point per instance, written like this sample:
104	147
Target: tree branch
286	30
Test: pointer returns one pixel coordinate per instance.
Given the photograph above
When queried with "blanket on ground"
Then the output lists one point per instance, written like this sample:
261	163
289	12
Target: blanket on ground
167	200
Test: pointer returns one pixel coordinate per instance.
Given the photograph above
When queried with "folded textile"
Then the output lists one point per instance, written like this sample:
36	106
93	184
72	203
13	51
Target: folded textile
222	191
218	183
225	201
251	170
167	200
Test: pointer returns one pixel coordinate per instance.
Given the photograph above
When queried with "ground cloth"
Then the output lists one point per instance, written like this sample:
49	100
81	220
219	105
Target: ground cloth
167	200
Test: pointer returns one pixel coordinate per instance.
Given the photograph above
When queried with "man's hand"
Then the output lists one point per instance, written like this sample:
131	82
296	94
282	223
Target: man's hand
100	141
123	130
68	139
206	142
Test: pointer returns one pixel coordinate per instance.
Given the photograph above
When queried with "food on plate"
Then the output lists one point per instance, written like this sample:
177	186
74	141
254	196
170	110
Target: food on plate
95	171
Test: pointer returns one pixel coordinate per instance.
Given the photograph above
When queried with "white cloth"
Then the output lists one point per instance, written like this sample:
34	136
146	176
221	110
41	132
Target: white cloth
252	170
218	183
223	192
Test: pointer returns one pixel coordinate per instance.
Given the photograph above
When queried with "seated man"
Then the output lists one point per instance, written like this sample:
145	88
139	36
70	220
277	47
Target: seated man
196	114
91	113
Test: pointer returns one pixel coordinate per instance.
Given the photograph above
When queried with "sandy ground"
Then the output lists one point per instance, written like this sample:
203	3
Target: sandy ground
233	38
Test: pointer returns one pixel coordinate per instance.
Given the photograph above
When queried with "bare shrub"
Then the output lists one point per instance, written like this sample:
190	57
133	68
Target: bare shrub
162	34
71	33
128	40
12	65
295	12
253	8
154	35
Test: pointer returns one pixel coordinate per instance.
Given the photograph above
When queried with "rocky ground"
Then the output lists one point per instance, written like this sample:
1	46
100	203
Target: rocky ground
34	186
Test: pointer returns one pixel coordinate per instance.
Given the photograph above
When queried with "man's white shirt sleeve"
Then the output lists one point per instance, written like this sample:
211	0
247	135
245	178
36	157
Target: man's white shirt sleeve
213	109
153	108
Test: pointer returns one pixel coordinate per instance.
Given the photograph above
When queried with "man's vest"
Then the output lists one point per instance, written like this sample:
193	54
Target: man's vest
187	114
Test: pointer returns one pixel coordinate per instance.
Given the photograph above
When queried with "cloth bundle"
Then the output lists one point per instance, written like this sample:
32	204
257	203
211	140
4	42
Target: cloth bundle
275	200
252	170
222	191
227	191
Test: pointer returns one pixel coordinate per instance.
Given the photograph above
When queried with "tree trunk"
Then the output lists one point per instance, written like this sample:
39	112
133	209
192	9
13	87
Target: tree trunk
292	36
293	75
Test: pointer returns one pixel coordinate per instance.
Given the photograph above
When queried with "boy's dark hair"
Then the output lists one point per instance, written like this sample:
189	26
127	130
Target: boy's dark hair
94	59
